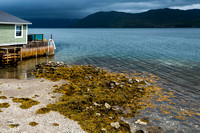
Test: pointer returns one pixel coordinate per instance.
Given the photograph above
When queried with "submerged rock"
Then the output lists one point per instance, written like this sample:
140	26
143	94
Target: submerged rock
155	130
139	131
103	130
139	121
107	106
115	125
96	104
98	114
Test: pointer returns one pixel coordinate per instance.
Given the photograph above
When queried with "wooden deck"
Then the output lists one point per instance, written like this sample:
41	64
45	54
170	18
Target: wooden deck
12	55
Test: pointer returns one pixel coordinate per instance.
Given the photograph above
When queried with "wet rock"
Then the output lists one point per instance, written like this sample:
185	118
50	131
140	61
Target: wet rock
96	104
155	130
130	81
103	130
111	84
121	86
139	131
107	106
58	74
139	121
98	114
123	83
115	125
116	108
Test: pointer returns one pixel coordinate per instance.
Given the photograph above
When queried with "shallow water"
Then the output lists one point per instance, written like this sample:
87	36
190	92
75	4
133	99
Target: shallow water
171	54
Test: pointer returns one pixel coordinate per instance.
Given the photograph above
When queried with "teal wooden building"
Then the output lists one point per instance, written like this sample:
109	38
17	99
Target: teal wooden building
13	30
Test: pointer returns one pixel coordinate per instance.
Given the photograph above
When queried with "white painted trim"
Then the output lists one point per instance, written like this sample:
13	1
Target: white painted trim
13	23
21	30
13	44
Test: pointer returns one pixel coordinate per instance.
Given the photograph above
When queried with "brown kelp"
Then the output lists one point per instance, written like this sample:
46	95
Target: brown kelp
13	125
26	103
95	97
33	124
55	124
4	105
3	97
43	110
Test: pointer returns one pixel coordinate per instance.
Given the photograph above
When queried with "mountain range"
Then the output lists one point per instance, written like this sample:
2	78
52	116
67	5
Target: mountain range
159	18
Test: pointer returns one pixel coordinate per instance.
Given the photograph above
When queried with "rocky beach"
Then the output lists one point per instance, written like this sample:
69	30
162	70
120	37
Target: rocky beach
15	119
85	98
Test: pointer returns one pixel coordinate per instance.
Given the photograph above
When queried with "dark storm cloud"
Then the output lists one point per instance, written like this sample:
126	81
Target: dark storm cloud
81	8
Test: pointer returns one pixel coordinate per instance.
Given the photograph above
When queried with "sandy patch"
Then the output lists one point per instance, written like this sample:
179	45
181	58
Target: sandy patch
15	115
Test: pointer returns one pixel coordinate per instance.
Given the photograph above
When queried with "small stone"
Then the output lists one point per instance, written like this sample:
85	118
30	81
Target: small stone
98	114
116	108
107	106
103	129
110	117
123	83
141	122
130	81
96	104
117	83
139	80
115	125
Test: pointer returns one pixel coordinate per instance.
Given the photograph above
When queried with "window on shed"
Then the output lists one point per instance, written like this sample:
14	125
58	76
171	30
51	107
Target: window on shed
19	31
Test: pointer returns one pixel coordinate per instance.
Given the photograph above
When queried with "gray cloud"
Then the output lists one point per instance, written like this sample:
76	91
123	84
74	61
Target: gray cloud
81	8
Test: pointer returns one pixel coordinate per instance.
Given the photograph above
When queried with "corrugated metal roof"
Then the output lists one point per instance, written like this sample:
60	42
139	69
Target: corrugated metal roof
6	18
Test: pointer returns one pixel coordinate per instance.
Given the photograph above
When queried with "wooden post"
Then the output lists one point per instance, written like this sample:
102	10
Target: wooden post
7	55
42	37
14	55
21	54
51	36
34	37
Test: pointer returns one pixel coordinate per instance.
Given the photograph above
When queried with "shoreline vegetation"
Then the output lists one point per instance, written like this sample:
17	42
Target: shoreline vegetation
63	96
97	98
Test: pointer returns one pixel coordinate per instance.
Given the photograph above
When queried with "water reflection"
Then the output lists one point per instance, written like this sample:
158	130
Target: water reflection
24	69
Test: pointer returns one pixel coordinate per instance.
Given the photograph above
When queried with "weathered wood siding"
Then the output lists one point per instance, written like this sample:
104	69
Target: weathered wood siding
7	35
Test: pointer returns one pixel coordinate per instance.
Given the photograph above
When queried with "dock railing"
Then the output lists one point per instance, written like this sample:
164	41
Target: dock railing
36	46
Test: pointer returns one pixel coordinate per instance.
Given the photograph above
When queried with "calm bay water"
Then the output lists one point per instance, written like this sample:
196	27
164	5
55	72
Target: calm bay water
171	54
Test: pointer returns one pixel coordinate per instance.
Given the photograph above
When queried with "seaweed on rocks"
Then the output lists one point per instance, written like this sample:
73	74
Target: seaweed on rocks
26	103
13	125
33	124
4	105
95	97
43	110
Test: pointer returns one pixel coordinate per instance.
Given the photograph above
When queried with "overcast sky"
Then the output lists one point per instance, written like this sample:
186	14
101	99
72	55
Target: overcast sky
82	8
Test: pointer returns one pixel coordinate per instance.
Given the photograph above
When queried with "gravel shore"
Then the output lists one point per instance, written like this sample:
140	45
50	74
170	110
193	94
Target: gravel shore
37	89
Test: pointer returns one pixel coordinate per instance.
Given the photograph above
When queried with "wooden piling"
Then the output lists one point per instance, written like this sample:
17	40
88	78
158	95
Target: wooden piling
21	54
7	55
